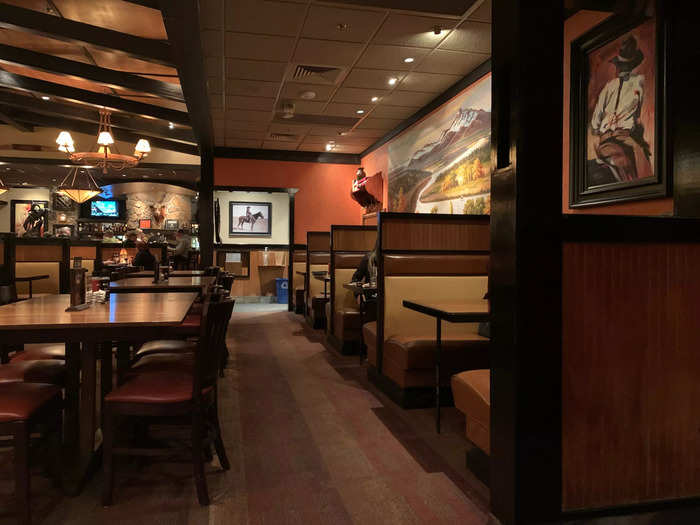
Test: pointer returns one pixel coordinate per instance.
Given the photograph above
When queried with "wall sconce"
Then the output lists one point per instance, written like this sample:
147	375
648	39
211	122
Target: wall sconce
61	217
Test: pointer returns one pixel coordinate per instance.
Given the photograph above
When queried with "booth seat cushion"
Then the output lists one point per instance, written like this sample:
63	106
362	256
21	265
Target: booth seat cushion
168	386
346	324
411	352
472	395
34	352
49	371
182	362
369	334
19	401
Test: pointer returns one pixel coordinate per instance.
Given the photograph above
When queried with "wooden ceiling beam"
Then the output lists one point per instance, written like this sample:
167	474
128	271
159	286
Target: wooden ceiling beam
108	77
38	23
88	128
33	85
24	128
153	4
155	128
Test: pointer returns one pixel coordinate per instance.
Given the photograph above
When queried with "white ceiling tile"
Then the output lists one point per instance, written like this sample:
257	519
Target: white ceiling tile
368	133
255	69
242	143
236	125
414	99
292	90
325	53
390	57
371	78
251	88
306	107
428	82
276	144
343	140
474	37
379	123
322	23
452	62
338	109
264	16
247	115
326	131
258	47
400	112
410	30
253	103
483	12
358	95
212	43
247	134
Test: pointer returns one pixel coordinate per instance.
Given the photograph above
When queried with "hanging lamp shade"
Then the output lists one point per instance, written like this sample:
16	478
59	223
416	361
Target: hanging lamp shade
65	142
79	185
3	188
143	148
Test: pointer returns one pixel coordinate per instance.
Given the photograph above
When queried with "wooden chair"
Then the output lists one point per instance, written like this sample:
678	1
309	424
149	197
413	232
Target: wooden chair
181	387
192	260
23	408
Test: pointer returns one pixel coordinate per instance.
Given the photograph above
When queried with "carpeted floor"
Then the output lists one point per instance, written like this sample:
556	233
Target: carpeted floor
309	441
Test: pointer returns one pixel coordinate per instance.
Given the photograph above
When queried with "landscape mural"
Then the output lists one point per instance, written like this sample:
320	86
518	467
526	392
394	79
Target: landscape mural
443	163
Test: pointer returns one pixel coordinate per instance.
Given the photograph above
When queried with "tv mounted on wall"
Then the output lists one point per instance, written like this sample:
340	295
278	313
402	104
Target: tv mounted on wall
103	210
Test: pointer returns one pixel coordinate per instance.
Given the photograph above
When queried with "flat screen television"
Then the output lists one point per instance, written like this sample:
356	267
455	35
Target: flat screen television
104	209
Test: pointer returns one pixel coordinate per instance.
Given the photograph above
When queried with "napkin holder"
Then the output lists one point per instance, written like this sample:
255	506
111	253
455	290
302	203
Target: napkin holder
78	277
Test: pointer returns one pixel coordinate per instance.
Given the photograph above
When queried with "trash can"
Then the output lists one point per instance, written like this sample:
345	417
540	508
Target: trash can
282	290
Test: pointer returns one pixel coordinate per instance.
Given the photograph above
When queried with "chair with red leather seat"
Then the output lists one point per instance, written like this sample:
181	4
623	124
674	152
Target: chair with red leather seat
188	390
51	371
23	407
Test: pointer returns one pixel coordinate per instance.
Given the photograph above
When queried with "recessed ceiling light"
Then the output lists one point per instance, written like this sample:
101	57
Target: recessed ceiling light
45	98
408	60
330	145
375	99
360	111
307	95
171	125
393	81
342	27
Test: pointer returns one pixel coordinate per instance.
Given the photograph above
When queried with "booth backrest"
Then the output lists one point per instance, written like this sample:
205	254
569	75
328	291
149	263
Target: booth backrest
318	246
429	257
349	244
298	265
52	285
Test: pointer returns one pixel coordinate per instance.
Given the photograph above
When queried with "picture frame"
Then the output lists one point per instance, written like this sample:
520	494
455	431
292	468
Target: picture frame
250	219
56	229
19	213
62	202
144	224
171	224
618	128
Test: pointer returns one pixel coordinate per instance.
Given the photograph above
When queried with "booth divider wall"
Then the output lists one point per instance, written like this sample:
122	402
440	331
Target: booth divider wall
298	288
349	244
434	258
318	246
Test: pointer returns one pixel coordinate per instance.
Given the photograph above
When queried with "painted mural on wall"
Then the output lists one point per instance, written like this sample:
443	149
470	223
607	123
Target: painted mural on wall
442	164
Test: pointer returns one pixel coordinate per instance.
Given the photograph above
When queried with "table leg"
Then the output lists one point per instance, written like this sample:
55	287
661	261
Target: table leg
72	397
88	393
362	324
437	374
123	359
105	372
30	288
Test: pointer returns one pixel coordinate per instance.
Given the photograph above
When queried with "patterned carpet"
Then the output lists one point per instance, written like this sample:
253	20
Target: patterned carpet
309	441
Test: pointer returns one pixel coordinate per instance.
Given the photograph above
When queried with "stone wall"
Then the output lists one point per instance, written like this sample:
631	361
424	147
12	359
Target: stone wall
158	205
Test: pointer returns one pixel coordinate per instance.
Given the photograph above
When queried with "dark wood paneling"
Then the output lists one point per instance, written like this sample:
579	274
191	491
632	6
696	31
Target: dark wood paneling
345	260
86	252
353	238
299	255
425	264
318	257
39	253
429	232
318	242
630	373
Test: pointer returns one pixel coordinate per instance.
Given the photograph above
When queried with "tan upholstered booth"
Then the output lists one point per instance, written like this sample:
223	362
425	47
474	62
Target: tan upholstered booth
318	245
349	244
37	257
298	281
430	258
472	395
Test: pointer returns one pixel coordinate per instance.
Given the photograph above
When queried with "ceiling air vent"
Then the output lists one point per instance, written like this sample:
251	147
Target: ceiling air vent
315	74
283	136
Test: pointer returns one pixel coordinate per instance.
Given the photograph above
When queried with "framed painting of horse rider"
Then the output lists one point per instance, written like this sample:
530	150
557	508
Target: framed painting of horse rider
250	218
618	131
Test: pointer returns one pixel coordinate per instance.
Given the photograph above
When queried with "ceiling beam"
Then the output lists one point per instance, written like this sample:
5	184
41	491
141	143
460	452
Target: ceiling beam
181	21
38	23
34	85
153	4
108	77
24	128
88	128
155	128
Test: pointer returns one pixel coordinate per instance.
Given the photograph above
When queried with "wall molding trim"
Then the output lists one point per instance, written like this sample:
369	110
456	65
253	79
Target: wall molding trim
287	155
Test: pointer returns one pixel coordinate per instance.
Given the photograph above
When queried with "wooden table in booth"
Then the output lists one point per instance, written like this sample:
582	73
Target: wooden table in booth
173	273
174	284
30	279
362	292
126	319
325	278
475	312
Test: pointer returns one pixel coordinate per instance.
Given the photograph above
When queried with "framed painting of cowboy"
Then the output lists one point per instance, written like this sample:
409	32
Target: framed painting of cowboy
618	142
250	218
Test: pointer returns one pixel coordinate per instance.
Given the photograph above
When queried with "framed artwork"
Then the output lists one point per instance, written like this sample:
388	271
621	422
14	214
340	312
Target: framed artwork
250	218
62	202
171	224
145	224
29	218
63	230
618	113
442	164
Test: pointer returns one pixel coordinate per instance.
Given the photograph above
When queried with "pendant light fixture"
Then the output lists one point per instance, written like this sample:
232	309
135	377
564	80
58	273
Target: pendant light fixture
79	185
3	187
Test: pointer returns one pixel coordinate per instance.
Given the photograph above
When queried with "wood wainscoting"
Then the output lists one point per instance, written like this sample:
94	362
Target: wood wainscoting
630	373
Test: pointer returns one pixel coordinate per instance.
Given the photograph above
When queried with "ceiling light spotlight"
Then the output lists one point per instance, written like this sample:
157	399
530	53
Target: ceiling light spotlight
408	60
360	111
375	99
45	98
393	81
171	125
342	27
330	145
307	95
437	30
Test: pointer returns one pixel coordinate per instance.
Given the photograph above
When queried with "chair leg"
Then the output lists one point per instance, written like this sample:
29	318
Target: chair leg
21	438
218	440
197	459
107	456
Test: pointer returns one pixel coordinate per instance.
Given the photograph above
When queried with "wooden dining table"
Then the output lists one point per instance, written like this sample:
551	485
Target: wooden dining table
30	279
89	336
174	284
173	273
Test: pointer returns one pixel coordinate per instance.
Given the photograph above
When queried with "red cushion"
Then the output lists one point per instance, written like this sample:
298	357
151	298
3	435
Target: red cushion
154	388
19	401
34	352
181	362
50	371
168	346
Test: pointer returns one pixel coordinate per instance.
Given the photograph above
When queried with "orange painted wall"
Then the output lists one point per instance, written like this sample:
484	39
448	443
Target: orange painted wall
323	198
574	27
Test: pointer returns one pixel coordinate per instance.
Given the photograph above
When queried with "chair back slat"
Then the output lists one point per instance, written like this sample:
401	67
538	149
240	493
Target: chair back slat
216	315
